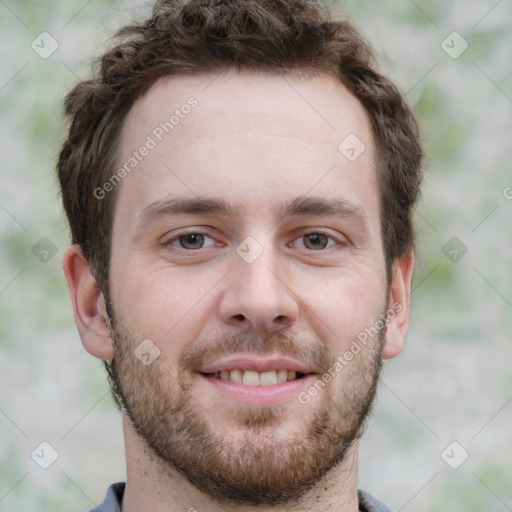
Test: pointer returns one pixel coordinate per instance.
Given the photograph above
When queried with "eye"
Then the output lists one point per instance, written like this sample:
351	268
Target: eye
191	241
315	241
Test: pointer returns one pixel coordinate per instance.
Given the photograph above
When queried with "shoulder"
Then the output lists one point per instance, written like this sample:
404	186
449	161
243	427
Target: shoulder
367	503
113	499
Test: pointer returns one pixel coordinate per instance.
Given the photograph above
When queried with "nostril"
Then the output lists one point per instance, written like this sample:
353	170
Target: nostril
240	317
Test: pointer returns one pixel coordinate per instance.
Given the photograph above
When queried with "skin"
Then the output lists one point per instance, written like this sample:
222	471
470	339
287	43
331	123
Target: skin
256	141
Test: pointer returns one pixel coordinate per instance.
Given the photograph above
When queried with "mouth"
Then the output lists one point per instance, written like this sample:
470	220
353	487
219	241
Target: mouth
255	378
257	381
259	389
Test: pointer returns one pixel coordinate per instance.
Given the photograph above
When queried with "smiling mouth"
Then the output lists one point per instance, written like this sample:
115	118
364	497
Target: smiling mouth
253	378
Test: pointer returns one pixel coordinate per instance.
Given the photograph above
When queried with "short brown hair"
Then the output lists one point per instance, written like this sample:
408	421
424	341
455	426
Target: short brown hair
208	36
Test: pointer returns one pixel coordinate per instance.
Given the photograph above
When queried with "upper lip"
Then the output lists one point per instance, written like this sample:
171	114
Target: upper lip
256	364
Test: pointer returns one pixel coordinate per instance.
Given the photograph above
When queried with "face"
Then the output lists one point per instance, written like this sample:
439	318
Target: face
247	263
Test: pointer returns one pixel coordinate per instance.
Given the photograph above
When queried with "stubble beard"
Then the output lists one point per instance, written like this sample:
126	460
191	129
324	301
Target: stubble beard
254	463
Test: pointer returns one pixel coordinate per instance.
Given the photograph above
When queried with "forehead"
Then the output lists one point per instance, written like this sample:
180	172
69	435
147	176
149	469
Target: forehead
253	138
320	106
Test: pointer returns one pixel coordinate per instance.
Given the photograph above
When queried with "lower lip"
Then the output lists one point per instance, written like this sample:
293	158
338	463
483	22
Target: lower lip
260	395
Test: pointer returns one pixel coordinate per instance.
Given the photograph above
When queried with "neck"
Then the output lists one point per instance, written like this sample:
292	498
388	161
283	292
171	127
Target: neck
150	486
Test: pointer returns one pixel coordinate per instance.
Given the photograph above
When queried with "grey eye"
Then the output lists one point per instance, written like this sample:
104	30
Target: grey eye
191	241
315	241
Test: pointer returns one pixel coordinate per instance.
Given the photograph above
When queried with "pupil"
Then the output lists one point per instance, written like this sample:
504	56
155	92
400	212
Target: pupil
316	240
192	241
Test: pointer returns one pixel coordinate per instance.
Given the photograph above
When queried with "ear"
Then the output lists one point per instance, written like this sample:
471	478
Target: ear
88	304
399	305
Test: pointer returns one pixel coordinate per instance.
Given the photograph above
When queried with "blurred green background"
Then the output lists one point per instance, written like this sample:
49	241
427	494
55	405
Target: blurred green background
453	383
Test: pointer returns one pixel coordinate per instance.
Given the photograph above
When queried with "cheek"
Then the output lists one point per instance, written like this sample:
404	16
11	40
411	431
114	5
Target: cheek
167	305
344	307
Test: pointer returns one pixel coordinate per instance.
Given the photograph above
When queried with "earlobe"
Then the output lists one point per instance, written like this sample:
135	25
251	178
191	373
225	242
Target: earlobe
399	305
88	304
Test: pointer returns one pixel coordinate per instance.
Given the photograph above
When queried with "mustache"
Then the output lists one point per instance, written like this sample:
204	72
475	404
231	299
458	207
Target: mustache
314	355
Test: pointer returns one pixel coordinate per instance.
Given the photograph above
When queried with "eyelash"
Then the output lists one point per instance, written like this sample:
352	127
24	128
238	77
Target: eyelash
318	232
169	243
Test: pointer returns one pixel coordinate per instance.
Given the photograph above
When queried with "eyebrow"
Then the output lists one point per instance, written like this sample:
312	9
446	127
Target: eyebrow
323	206
186	205
300	206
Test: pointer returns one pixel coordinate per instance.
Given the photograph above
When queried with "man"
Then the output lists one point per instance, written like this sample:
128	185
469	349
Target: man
239	183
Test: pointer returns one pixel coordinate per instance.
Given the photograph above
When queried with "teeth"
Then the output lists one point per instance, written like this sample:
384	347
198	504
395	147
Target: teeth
268	378
235	376
282	375
252	378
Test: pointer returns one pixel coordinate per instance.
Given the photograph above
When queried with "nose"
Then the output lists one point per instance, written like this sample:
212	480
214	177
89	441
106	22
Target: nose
257	296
